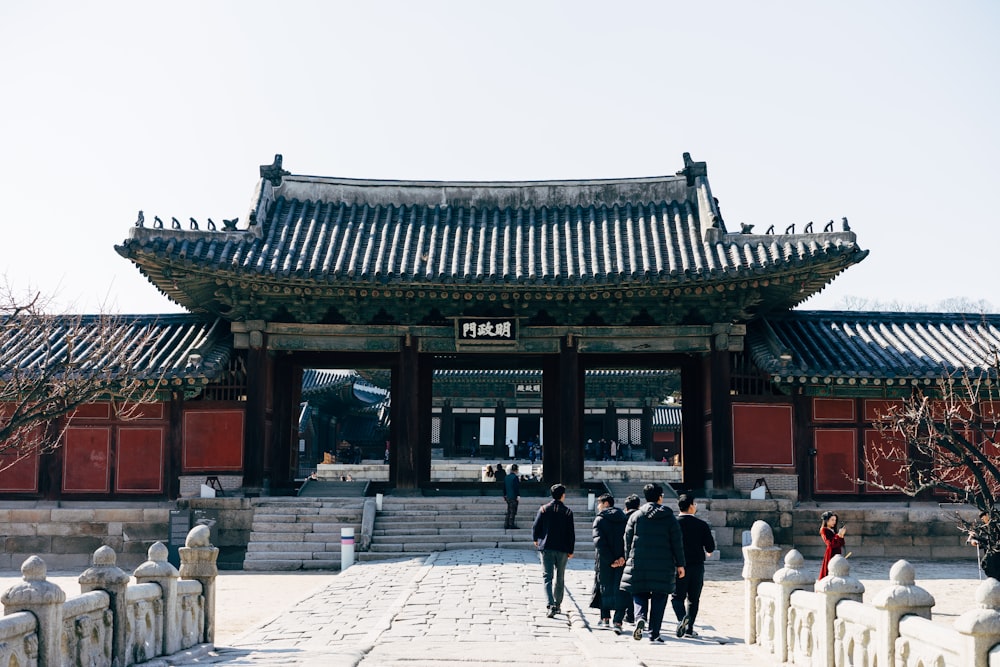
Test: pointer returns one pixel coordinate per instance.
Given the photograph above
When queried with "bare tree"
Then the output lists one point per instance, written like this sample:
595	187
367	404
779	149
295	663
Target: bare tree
946	441
52	364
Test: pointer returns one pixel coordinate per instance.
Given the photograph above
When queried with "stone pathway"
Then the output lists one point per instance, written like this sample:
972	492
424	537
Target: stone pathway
481	606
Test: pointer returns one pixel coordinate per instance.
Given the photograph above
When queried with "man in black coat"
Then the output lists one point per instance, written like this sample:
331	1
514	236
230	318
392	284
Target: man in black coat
512	494
654	551
697	541
609	543
554	536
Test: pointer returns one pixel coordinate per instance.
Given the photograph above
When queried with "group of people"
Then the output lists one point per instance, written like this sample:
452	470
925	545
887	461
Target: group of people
526	449
605	450
642	555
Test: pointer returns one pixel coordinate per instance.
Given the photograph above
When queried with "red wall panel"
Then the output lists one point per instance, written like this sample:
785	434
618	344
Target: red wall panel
213	440
86	460
836	460
20	477
93	411
139	464
762	435
875	409
881	456
833	409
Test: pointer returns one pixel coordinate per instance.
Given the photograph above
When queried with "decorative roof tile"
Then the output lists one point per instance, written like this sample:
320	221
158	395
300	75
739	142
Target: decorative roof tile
863	347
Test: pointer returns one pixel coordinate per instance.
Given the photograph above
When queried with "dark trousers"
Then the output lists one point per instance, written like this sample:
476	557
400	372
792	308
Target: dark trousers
688	587
511	512
657	603
619	601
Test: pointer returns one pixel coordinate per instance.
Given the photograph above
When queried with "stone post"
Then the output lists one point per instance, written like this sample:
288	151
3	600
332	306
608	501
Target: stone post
789	578
836	586
760	562
901	598
105	575
43	599
981	627
157	570
198	558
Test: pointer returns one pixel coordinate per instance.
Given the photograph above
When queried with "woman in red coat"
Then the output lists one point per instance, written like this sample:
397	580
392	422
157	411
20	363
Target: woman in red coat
832	538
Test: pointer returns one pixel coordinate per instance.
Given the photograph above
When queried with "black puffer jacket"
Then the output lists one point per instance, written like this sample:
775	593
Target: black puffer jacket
609	541
653	548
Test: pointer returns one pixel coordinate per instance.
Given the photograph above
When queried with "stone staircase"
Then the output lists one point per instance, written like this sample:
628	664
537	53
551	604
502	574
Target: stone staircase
408	527
300	533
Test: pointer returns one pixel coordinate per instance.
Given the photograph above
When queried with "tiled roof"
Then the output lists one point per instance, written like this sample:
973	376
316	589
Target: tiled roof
872	347
667	417
171	348
660	231
316	381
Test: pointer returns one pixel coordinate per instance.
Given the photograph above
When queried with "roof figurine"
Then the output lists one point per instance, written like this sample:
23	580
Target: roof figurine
273	173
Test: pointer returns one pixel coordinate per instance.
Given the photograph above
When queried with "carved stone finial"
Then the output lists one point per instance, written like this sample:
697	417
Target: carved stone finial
105	555
761	534
34	569
273	172
199	536
839	567
157	553
902	573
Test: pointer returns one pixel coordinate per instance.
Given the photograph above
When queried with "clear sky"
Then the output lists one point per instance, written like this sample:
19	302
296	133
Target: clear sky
885	112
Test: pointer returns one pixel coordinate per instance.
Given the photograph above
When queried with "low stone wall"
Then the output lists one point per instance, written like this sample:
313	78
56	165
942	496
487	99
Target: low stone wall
824	623
113	623
65	534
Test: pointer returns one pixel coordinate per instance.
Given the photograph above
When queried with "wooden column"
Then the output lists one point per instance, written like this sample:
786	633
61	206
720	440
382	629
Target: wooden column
405	461
500	435
693	423
425	403
552	462
803	443
256	420
280	449
175	444
562	401
722	421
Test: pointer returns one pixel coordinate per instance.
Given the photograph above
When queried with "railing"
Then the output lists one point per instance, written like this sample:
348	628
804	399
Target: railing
111	622
825	623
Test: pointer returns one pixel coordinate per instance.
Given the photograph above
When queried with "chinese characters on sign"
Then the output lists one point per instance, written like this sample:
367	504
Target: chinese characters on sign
487	330
528	388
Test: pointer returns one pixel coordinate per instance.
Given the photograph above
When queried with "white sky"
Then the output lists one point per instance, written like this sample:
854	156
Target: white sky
885	112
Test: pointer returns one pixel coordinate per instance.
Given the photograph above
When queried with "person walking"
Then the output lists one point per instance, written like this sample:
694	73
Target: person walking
554	537
833	538
698	542
609	544
654	552
632	503
512	494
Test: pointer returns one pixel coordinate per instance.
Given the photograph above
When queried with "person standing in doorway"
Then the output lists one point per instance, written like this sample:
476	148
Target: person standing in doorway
654	552
698	542
554	536
512	494
510	449
609	543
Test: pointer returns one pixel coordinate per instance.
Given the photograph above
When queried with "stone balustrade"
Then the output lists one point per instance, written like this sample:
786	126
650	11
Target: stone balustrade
826	624
112	622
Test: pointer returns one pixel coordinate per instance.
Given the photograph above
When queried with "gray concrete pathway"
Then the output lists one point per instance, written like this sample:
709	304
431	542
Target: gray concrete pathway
479	606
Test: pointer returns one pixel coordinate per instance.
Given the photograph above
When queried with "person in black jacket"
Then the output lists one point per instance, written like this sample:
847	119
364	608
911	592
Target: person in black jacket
512	494
555	537
698	541
654	551
609	543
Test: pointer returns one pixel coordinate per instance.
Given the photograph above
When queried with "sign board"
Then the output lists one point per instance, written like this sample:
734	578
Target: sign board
179	525
485	330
